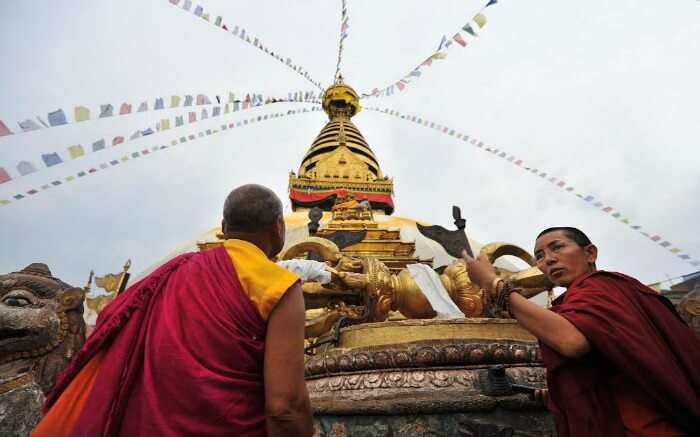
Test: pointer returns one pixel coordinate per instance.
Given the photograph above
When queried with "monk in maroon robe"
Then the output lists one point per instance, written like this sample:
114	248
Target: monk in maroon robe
211	343
620	361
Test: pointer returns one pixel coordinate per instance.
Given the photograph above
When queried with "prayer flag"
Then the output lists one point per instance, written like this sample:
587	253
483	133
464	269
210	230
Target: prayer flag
188	100
25	168
491	2
174	101
28	125
125	108
588	198
218	21
198	11
148	131
457	37
205	16
480	19
216	111
192	117
106	110
187	5
218	100
18	196
400	86
204	115
467	28
415	73
51	159
616	215
76	151
43	123
675	250
165	124
665	243
656	238
231	97
117	140
98	145
4	130
684	256
442	43
226	29
4	176
520	161
607	209
179	121
81	113
135	135
159	104
57	118
32	191
175	2
235	30
143	107
200	99
226	109
439	55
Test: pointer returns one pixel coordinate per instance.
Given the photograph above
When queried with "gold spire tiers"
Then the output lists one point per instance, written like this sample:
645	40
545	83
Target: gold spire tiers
340	164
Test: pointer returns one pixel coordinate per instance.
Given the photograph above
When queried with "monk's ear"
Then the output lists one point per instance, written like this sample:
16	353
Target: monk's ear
591	253
71	298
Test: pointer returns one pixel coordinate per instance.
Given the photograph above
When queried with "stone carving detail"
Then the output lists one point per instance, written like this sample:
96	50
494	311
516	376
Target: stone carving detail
470	428
689	309
424	354
41	328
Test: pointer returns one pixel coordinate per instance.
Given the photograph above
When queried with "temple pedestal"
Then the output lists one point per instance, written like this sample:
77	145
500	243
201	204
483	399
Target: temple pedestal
428	378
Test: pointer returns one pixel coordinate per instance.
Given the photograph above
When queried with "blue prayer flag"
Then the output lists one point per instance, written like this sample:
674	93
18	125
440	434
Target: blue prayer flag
57	118
51	159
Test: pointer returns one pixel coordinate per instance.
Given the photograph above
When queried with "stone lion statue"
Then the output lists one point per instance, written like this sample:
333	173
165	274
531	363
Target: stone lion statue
689	309
41	328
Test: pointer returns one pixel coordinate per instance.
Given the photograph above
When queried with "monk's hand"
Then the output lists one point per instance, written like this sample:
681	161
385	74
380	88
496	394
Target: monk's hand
481	271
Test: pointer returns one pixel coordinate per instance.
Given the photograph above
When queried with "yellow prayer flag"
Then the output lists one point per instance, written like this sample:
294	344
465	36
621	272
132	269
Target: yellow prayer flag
174	101
82	113
70	178
439	55
173	143
226	109
480	19
165	124
76	151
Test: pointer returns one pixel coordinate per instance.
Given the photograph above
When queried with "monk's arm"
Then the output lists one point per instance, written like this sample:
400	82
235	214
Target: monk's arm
549	327
287	407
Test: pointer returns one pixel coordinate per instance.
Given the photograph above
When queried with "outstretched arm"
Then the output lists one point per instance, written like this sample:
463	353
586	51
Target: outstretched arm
549	327
287	406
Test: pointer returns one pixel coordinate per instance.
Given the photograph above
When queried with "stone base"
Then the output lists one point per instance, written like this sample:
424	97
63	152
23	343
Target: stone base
498	423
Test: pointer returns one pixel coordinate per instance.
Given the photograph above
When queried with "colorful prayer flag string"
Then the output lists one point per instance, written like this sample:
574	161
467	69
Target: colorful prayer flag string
185	138
557	182
344	26
204	112
240	32
471	30
82	113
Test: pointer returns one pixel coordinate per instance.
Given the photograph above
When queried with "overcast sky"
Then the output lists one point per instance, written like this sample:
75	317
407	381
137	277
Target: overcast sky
602	94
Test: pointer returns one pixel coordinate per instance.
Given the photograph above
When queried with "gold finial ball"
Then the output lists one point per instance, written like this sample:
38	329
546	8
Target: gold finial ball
340	100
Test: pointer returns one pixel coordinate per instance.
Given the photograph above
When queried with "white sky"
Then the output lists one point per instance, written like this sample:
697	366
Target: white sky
601	94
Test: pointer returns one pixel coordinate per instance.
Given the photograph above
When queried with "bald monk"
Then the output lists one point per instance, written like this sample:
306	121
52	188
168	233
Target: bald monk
211	343
620	361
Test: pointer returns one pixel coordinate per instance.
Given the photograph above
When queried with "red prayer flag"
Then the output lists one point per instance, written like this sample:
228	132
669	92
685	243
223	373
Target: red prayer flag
117	140
400	85
458	38
4	130
4	176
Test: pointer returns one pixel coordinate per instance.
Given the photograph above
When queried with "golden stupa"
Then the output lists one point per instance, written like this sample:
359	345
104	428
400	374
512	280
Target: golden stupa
380	359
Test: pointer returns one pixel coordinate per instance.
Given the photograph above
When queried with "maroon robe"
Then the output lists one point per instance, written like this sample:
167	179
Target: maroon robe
184	356
634	332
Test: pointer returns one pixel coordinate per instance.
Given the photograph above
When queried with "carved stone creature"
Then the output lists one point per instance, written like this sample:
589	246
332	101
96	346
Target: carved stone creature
689	309
41	328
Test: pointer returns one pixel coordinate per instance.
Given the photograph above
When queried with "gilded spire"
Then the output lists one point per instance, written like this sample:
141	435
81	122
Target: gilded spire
340	160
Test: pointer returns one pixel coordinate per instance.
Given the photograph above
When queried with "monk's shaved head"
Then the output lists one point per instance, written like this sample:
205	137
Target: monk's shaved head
251	208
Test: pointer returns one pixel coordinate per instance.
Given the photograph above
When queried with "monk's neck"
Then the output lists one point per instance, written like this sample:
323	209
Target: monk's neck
261	241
